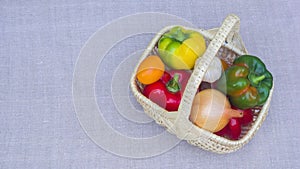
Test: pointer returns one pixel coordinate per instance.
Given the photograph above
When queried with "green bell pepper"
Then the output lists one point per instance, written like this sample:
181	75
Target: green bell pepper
247	82
179	48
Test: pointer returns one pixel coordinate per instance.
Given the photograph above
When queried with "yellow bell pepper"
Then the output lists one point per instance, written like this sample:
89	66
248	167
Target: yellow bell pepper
179	48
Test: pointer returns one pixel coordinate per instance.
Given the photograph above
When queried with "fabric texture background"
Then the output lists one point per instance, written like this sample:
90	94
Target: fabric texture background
40	42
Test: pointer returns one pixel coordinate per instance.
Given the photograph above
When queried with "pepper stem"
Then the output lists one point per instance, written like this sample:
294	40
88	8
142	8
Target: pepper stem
257	79
178	34
173	85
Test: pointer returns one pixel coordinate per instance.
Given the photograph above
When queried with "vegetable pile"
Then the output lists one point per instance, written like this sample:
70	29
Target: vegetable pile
228	95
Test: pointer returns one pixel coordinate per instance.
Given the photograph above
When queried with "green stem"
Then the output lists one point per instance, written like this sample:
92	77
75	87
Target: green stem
173	85
257	79
179	35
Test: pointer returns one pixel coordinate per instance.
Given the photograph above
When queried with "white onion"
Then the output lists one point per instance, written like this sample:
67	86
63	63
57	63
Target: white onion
214	71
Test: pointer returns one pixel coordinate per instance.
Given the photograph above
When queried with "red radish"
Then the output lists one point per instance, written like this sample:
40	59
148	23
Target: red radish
235	128
223	132
248	116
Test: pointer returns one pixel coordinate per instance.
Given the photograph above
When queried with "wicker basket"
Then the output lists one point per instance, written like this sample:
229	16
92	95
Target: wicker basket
225	43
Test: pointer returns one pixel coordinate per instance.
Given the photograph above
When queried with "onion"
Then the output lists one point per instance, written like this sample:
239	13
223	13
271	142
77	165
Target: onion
211	110
214	71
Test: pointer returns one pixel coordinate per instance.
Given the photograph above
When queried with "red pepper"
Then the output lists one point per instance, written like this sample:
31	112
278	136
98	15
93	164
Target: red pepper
167	91
166	78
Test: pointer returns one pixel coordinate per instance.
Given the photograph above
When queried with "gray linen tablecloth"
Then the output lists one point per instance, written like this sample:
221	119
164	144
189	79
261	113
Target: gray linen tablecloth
40	42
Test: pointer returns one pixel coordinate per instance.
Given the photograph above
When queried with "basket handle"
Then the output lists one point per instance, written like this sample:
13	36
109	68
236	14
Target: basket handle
228	29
